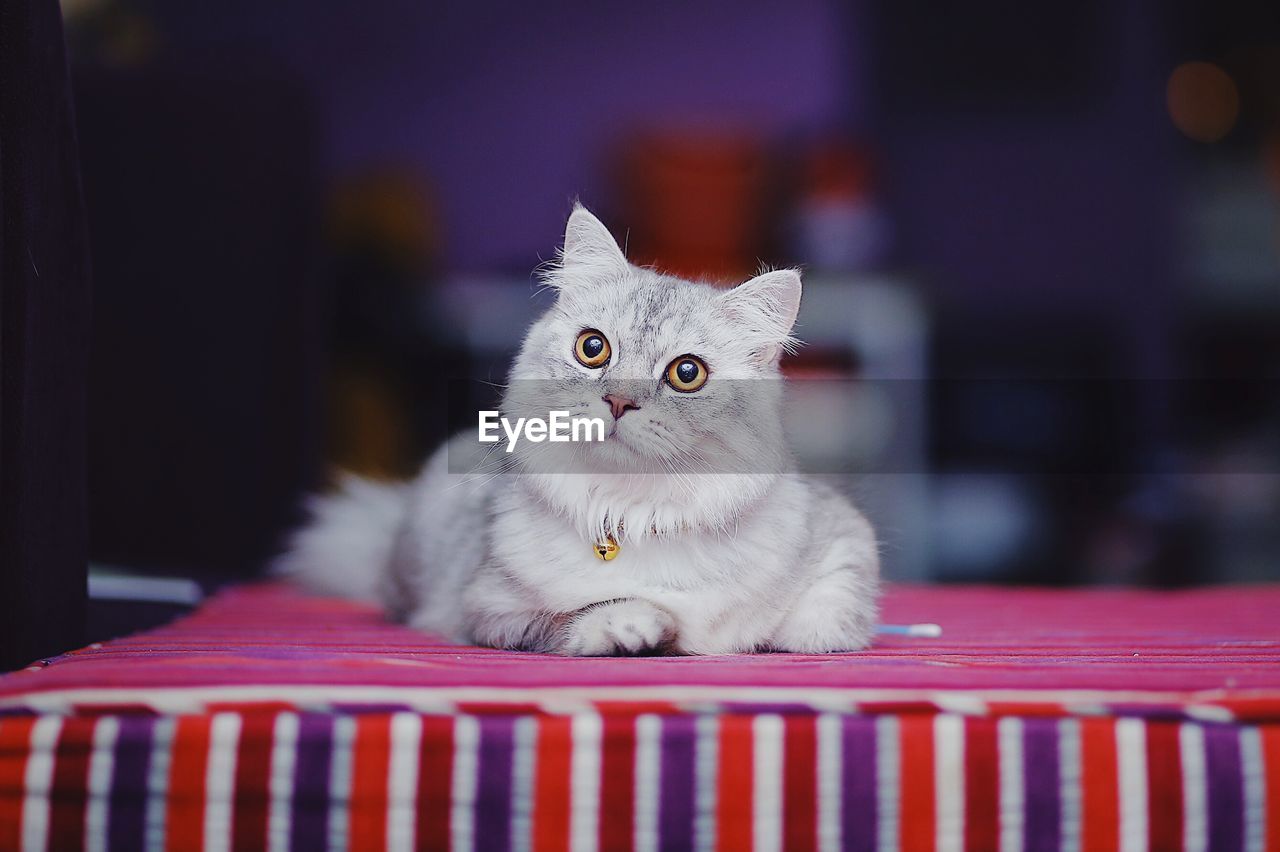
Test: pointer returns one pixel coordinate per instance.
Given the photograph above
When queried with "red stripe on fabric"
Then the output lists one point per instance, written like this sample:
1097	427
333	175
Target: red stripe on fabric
635	708
15	746
253	782
372	757
1271	771
1252	709
800	775
69	791
918	815
981	784
551	789
121	709
1099	785
734	805
499	708
898	708
435	783
617	783
1164	785
1024	708
184	819
264	706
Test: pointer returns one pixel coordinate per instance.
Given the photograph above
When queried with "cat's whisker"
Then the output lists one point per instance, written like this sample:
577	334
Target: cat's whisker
481	475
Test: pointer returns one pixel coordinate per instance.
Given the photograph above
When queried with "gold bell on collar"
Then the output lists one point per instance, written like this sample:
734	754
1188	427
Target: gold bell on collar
606	548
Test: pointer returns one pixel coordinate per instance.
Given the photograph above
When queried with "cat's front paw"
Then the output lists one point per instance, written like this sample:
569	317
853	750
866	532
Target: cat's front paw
618	628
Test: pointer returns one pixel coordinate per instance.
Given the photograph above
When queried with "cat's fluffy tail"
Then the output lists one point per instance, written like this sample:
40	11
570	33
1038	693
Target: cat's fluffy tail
345	549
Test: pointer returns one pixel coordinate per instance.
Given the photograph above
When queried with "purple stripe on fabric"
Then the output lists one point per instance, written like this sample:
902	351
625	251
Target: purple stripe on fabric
1043	789
127	804
494	758
310	803
1225	781
676	781
858	781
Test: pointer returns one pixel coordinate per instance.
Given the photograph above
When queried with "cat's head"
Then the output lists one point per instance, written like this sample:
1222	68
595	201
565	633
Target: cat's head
680	372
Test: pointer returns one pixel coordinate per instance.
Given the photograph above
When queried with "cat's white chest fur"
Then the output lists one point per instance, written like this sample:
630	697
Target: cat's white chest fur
727	590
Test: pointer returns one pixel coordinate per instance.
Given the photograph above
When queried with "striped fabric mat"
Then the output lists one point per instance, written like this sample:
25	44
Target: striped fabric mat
1040	720
733	781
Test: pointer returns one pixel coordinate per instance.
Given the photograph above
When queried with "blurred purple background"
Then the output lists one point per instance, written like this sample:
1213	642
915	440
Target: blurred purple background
975	189
511	108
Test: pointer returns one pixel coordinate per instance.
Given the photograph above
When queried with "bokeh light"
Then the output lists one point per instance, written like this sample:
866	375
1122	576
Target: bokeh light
1203	101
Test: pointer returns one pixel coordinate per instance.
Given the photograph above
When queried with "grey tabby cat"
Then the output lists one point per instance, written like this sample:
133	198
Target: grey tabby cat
682	532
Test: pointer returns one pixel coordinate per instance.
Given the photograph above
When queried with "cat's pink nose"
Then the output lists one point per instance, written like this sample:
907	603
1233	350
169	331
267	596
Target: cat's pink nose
619	404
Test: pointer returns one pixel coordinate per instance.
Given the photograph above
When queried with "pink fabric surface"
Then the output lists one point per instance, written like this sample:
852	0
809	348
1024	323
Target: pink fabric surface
247	698
993	638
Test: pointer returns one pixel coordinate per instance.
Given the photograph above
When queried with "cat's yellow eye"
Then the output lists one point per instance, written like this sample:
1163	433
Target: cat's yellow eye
592	349
687	373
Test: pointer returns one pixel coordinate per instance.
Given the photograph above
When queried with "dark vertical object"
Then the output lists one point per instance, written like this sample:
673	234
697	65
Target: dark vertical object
44	334
202	198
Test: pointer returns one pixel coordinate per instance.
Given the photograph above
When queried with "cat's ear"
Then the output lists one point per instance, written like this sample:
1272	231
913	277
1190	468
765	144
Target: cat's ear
590	252
765	310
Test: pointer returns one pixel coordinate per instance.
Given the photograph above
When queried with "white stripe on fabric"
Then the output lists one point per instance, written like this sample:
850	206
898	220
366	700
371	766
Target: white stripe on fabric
648	761
284	757
706	776
948	781
101	765
431	699
1071	780
402	781
341	768
1131	757
767	735
524	766
1013	789
38	782
1255	791
1195	790
220	781
888	783
158	783
462	819
584	782
830	768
